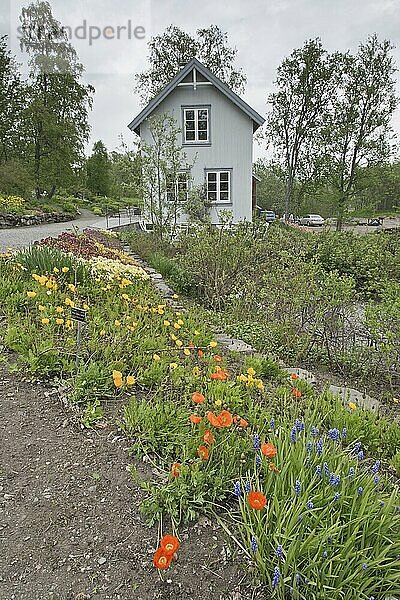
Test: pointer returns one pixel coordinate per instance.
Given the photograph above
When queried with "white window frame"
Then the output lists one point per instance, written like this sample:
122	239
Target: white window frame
176	187
196	110
218	191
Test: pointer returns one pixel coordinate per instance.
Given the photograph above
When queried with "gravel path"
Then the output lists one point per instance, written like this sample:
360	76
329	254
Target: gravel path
19	237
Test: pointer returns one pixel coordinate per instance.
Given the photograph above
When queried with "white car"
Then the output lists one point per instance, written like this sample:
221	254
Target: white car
312	221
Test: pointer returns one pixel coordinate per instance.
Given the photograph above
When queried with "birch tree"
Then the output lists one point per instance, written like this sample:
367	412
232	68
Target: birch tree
298	110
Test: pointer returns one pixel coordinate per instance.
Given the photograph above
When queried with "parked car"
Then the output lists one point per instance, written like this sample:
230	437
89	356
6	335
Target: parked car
268	215
312	221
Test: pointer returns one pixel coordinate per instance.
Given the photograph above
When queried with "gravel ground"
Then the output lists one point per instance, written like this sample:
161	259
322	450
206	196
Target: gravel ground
19	237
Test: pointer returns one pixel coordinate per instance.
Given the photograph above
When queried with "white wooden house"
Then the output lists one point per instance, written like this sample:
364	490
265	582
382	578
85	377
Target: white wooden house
217	129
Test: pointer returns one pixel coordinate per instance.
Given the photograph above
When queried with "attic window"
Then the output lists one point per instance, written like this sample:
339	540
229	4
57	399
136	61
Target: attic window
196	127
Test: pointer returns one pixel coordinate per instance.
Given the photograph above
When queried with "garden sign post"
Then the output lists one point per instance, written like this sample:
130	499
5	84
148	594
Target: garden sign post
78	315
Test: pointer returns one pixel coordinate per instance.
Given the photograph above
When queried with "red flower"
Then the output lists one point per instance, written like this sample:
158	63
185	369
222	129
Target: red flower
161	559
208	437
257	500
217	358
200	353
296	393
225	418
213	419
198	398
195	419
268	449
220	374
170	544
203	452
293	376
176	469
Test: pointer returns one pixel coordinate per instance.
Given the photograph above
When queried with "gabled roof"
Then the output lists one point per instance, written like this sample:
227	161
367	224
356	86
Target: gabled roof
257	119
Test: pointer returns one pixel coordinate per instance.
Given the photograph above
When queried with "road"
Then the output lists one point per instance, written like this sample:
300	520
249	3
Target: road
21	237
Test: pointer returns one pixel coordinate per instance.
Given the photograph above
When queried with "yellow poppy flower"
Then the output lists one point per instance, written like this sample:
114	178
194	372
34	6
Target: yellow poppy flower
117	323
179	343
156	357
102	332
56	270
173	366
31	294
130	380
85	307
65	269
251	371
213	344
177	326
218	403
45	321
352	406
125	297
68	323
71	287
59	309
196	332
59	321
166	323
196	371
175	296
186	352
41	307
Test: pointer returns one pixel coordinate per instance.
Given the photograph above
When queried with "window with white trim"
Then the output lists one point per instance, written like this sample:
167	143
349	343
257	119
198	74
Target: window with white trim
196	125
219	186
178	190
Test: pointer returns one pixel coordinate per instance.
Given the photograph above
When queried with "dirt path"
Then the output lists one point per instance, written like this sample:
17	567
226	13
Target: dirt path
70	527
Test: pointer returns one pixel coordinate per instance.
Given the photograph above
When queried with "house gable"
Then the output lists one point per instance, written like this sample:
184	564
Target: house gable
195	73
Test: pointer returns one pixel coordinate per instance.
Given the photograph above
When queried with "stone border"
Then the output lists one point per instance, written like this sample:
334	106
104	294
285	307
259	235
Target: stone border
9	221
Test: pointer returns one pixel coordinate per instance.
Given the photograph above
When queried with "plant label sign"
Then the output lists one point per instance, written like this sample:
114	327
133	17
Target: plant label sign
78	314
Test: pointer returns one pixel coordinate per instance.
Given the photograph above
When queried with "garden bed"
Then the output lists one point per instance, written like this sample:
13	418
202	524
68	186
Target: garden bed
302	484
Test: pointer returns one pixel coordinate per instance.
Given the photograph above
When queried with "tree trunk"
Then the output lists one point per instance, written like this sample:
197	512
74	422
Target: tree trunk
288	195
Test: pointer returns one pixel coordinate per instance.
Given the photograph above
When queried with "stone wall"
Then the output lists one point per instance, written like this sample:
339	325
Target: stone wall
8	220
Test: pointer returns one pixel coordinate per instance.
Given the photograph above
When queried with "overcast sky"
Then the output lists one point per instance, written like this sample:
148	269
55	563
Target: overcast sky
264	32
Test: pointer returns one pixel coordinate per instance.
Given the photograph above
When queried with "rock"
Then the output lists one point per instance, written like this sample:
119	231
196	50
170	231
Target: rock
101	560
355	396
302	374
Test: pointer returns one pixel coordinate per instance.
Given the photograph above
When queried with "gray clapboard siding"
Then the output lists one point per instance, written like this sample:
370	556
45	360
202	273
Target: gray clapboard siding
231	137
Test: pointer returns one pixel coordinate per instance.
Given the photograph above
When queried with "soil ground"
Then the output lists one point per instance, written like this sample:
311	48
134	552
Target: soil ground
70	526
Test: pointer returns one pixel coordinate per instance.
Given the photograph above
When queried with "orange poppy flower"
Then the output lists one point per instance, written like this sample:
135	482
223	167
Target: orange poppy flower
220	374
296	393
268	449
213	419
225	418
200	353
170	544
198	398
240	422
257	500
191	345
195	419
161	559
208	437
217	358
203	452
176	469
293	376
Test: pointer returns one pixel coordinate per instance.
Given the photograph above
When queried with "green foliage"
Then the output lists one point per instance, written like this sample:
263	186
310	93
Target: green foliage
324	530
98	169
174	47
